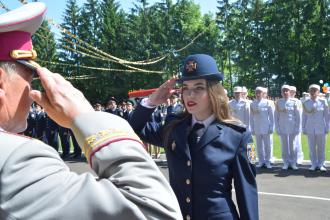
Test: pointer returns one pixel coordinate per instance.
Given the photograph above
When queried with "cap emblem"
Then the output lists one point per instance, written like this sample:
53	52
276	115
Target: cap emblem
191	66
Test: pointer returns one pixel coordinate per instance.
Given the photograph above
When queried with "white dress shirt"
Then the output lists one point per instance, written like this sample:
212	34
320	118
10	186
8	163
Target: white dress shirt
205	122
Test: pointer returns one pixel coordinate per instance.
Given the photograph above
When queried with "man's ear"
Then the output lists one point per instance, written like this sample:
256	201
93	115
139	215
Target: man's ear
3	75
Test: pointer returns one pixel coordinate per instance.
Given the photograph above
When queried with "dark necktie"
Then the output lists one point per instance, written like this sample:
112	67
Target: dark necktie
192	137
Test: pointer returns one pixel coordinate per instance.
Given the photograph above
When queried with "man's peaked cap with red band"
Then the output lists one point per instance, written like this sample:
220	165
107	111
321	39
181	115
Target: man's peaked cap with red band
200	66
16	28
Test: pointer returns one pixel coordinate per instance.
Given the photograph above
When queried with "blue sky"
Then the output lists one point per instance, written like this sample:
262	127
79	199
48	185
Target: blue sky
57	7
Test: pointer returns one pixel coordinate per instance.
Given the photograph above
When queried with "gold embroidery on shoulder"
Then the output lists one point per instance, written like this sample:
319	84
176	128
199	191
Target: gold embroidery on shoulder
97	139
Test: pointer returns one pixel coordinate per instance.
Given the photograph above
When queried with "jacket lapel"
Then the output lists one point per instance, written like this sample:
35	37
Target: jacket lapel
212	132
181	132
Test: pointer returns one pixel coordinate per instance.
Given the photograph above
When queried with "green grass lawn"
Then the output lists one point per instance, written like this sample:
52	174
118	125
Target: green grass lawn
277	147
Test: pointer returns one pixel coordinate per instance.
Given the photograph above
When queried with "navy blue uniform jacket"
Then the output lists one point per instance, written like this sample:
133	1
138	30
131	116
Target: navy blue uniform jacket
203	186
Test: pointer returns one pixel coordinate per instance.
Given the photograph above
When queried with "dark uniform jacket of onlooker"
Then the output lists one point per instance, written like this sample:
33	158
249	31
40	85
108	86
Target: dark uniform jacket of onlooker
31	123
176	109
52	132
157	115
40	126
116	111
203	186
128	115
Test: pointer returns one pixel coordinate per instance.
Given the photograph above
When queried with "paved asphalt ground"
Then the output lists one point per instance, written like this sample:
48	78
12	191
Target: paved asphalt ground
283	195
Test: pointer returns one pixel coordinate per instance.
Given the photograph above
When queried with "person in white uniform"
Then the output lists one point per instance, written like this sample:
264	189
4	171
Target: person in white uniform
322	96
305	96
271	102
297	140
287	124
262	126
315	125
327	97
239	107
245	94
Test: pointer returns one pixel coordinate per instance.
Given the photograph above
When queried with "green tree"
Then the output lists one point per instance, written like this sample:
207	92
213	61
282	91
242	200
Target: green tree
270	43
70	24
45	45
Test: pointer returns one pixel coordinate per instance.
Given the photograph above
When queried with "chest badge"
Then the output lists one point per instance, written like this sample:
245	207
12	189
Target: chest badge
251	153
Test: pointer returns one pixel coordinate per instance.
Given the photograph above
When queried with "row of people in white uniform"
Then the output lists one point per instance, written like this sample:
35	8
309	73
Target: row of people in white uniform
289	116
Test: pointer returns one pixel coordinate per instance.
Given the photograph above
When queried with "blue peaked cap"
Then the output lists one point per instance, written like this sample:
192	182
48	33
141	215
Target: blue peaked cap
200	66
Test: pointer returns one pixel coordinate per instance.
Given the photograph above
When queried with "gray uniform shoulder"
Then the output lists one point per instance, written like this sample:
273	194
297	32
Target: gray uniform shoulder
9	143
14	137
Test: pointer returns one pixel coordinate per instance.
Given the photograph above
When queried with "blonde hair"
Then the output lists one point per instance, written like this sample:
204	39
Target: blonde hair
219	104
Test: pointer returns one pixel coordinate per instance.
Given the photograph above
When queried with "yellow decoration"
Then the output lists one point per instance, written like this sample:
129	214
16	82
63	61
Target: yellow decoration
23	54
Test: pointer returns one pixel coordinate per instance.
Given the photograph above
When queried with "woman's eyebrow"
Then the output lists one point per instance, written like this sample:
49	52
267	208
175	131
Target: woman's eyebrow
196	84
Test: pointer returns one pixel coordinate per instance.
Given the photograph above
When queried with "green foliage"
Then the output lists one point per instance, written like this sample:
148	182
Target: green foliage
45	45
146	32
256	43
271	43
71	24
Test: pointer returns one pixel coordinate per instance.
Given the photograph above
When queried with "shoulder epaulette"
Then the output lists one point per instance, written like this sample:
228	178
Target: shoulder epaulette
237	127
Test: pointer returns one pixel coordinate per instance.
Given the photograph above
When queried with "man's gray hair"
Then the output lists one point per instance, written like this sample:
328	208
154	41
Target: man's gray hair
8	66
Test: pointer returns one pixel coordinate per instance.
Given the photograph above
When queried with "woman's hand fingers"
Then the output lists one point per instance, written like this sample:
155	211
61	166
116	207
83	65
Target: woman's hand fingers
163	92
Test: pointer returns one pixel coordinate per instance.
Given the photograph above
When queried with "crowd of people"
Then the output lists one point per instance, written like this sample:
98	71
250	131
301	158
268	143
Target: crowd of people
263	115
289	117
42	127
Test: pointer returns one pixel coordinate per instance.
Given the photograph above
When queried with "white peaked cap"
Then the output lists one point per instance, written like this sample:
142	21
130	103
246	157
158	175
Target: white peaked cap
238	89
315	86
27	18
293	88
259	88
286	87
